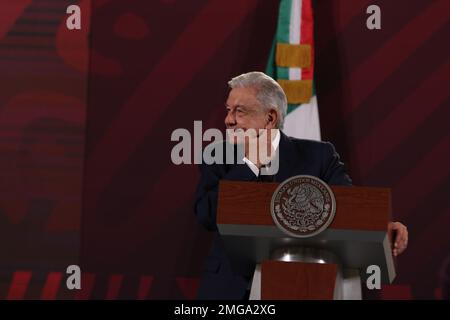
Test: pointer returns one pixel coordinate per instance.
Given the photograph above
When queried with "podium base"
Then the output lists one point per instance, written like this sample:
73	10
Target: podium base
305	273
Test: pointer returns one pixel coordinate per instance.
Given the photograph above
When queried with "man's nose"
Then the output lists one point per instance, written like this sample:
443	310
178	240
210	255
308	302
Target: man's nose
230	119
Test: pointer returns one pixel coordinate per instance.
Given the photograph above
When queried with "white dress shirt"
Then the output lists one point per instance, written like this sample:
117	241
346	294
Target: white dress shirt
275	144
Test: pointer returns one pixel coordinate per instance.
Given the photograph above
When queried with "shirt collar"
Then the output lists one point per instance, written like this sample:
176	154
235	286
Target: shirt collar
276	140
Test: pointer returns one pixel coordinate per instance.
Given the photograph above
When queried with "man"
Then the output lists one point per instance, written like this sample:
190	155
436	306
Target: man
256	101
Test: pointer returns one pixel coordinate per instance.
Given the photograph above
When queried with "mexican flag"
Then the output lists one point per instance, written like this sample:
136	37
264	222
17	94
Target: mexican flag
291	63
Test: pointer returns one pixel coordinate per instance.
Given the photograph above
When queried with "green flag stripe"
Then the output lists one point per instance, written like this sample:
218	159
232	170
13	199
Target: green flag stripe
270	68
283	73
284	21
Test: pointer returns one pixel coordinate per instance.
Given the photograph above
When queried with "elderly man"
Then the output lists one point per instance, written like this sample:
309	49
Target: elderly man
256	101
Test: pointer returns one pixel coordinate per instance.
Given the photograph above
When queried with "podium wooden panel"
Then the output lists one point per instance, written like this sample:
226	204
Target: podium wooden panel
357	208
297	281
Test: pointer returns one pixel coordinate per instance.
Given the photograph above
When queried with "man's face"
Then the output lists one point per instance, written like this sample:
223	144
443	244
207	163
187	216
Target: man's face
244	111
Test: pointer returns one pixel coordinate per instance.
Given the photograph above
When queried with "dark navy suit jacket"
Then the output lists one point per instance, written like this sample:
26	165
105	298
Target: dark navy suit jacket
297	157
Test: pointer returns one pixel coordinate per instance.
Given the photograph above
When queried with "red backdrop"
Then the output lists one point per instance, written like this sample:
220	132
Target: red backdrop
155	66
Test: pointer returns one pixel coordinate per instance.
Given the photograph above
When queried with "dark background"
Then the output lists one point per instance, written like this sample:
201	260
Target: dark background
86	118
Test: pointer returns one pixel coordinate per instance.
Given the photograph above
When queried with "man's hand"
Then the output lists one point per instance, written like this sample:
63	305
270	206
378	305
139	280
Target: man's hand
398	235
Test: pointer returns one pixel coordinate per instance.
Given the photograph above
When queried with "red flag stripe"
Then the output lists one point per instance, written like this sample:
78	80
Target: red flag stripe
306	36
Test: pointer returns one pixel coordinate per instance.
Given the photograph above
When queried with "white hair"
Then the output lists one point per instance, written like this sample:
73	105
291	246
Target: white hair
268	92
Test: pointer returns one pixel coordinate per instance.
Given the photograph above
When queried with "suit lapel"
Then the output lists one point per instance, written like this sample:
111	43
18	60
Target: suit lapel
290	160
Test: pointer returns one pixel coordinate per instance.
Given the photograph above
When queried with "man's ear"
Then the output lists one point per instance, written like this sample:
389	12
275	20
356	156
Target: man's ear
272	119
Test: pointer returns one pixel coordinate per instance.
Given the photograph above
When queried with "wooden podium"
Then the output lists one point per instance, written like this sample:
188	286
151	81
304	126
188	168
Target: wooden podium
305	268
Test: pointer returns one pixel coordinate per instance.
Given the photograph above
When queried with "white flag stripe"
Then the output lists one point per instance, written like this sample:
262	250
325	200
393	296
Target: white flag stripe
295	74
294	28
294	34
303	122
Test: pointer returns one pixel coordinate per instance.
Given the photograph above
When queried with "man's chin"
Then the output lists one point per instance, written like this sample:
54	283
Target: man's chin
235	136
235	140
